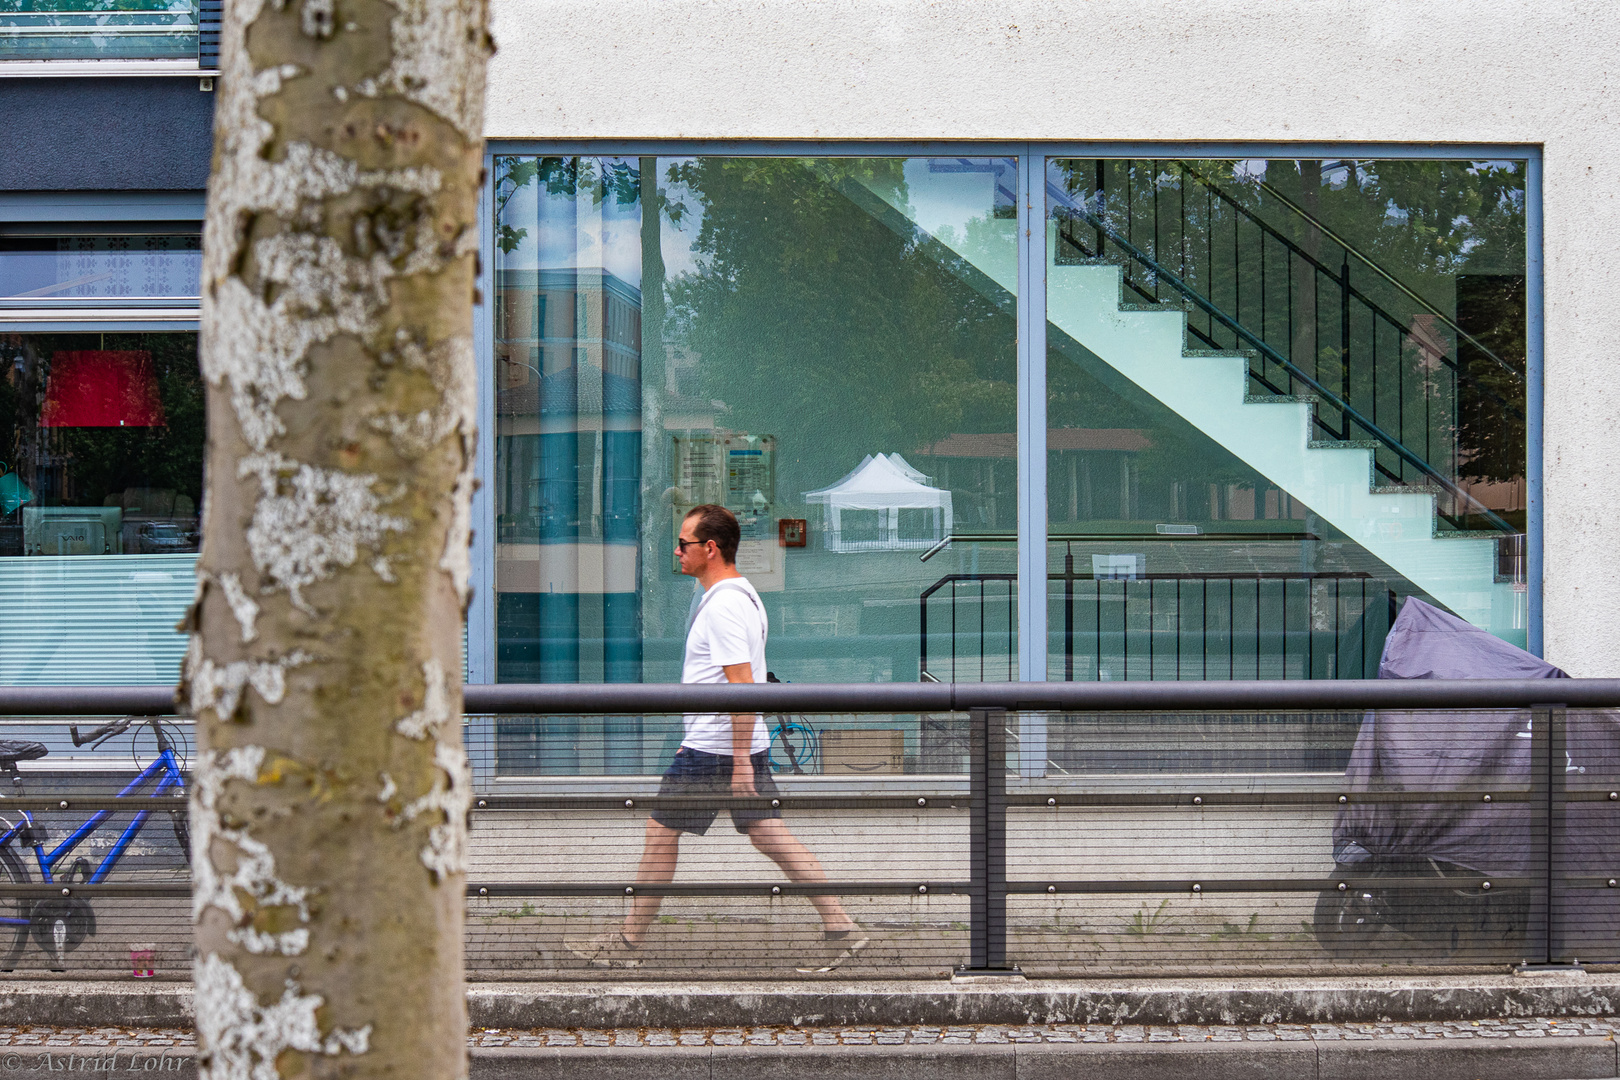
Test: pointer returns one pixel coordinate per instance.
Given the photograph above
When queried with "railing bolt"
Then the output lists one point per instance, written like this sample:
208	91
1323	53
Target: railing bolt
776	804
483	804
67	892
1487	798
1198	888
1344	798
1198	800
629	891
1485	886
1051	802
922	802
1613	795
1613	883
1051	888
922	888
63	804
483	891
1344	887
629	804
776	890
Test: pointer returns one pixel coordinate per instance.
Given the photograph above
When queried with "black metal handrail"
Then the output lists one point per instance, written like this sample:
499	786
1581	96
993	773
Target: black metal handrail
1373	265
1406	454
1260	695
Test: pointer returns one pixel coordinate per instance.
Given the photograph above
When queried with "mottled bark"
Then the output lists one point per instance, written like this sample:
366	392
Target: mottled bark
331	788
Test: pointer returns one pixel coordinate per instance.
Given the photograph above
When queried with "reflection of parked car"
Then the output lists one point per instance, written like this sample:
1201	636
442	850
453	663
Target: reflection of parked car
164	536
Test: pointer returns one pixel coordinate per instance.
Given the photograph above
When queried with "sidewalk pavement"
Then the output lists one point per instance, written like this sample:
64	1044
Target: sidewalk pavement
1525	1049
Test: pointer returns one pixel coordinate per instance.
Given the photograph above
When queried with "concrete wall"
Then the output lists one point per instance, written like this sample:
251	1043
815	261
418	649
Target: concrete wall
1409	71
95	134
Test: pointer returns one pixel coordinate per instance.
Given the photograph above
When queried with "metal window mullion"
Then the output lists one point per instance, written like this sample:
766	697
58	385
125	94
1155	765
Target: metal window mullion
1535	390
1032	524
480	633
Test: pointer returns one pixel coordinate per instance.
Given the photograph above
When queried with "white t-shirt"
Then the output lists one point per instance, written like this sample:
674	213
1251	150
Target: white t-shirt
728	627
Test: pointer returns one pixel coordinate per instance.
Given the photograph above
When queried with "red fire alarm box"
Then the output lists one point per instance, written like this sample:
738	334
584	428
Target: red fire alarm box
792	532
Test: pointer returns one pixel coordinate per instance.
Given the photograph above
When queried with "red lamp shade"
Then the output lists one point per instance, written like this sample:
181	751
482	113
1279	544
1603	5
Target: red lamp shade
102	388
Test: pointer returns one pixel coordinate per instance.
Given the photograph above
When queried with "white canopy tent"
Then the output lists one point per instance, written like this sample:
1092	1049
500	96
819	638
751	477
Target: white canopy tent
883	505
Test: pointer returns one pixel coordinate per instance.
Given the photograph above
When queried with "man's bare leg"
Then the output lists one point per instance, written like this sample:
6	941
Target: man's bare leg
773	839
659	852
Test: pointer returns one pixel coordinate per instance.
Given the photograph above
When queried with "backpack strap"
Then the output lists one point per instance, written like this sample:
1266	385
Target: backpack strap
732	586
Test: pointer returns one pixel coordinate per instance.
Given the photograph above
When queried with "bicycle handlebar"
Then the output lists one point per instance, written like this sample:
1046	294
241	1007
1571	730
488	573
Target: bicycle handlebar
96	735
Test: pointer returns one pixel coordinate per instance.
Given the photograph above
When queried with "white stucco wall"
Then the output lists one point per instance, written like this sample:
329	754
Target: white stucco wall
1414	71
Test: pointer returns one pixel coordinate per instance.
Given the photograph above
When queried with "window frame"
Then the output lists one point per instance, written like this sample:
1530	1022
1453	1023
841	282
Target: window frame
1031	308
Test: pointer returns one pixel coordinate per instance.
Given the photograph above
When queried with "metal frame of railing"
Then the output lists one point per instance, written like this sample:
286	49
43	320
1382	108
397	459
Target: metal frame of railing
992	793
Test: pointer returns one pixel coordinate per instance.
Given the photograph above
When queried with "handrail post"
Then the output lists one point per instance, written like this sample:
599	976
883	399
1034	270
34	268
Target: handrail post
1344	346
1538	936
987	840
1557	863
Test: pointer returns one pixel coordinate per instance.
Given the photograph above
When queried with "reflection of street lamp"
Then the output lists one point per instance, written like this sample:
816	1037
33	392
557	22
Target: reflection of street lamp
524	363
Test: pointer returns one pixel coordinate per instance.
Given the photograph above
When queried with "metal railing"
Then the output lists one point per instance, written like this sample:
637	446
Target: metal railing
1065	828
1237	624
1247	285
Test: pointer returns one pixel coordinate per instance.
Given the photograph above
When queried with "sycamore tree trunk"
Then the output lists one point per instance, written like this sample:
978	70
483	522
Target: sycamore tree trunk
331	789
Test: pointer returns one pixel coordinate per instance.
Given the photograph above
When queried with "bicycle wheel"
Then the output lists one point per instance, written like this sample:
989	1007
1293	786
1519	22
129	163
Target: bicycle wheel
13	936
793	748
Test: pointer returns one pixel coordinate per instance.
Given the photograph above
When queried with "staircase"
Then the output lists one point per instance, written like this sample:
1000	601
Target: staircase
1346	478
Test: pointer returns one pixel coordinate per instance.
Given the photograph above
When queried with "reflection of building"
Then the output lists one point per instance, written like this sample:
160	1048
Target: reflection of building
568	430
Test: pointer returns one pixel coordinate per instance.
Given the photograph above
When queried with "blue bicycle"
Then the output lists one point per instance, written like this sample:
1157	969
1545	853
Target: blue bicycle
60	924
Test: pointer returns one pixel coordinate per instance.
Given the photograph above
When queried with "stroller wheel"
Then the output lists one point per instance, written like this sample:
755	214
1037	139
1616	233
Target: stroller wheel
1346	923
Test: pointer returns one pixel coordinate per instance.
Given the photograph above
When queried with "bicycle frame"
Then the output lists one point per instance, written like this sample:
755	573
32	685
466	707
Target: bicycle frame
166	768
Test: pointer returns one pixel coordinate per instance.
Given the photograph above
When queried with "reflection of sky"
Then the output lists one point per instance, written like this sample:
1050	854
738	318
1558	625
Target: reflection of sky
953	191
569	231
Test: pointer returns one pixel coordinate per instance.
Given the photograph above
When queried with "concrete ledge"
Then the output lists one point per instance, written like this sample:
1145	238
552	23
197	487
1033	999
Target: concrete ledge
832	1004
1039	1001
108	1003
1563	1058
1516	1059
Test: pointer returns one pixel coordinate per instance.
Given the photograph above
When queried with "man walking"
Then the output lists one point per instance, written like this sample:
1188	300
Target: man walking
720	754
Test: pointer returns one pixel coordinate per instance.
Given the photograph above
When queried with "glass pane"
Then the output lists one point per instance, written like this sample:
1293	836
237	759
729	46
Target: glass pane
801	340
103	438
44	268
98	29
1335	423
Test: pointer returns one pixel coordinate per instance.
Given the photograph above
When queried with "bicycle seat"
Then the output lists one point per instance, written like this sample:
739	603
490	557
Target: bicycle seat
15	750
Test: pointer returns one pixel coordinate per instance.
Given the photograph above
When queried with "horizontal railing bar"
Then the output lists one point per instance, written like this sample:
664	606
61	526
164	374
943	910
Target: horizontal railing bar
1253	885
488	891
174	804
1258	696
1185	797
38	890
630	698
636	803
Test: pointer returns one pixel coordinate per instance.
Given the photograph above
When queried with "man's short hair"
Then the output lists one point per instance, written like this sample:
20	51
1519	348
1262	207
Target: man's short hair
711	522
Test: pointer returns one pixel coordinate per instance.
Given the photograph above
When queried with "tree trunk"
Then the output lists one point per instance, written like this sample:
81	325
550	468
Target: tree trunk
331	788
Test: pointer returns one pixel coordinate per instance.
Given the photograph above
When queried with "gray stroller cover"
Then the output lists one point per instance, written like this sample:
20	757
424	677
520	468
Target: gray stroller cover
1484	751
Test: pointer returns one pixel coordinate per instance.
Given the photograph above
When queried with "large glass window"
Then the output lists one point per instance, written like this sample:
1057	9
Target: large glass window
98	29
797	339
102	436
1283	396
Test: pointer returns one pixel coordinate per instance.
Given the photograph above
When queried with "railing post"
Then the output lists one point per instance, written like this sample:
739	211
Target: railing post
1344	345
1538	936
1557	806
987	840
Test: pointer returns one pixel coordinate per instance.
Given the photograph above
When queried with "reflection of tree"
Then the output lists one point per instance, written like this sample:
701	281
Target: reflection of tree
822	326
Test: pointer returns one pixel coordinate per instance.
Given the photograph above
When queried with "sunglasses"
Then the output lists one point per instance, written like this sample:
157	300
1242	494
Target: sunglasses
682	545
